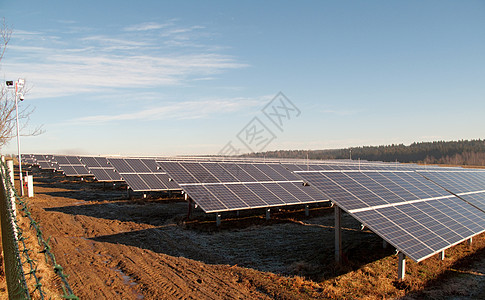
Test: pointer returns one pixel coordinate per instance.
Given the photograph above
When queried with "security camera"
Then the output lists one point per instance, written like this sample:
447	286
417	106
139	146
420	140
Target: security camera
21	97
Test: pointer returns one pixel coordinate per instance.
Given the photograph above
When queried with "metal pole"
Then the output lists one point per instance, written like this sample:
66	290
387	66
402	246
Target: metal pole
18	141
338	234
401	269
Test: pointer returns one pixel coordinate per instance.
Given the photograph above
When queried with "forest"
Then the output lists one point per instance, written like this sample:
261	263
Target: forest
462	152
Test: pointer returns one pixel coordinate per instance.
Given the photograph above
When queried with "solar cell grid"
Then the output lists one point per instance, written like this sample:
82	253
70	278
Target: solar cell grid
476	199
251	198
136	165
278	190
135	182
205	199
200	173
255	173
224	195
238	173
153	182
219	172
268	196
379	190
171	185
121	165
177	172
152	166
419	229
284	172
91	162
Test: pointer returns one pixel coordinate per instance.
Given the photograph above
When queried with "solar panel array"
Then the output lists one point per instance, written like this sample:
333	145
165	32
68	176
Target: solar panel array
142	174
44	161
412	213
101	169
420	210
223	186
70	165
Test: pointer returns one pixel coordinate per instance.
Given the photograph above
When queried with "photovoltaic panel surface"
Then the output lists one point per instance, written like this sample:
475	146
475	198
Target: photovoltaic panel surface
101	169
226	186
142	174
44	161
415	215
467	184
70	165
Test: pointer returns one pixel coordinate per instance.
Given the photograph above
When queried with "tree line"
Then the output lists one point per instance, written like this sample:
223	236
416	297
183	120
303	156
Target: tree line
462	152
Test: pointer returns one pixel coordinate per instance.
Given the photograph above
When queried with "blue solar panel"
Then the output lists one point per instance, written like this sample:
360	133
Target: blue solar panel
412	213
239	186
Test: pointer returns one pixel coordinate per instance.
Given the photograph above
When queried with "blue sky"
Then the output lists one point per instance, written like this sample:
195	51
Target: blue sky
189	77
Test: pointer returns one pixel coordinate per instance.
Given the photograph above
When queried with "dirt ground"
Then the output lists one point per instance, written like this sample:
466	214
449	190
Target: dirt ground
145	248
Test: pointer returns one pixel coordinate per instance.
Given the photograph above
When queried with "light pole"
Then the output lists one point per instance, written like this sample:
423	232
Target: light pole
18	95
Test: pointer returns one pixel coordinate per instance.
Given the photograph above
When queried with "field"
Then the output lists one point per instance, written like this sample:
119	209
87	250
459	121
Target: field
115	248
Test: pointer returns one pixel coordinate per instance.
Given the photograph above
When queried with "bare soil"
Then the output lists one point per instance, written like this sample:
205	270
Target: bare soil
115	248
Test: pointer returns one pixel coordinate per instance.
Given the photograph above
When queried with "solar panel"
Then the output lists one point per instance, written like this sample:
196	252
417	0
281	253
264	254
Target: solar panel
70	165
226	186
416	216
142	174
44	162
101	169
468	185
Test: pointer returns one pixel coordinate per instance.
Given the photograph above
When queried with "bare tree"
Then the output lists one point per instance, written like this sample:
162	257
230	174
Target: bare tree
7	100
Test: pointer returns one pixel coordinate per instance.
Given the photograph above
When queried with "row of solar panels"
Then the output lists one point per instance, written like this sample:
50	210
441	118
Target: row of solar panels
138	173
419	210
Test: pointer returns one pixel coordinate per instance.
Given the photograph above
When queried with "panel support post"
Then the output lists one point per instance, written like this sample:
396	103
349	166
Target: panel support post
268	213
189	208
218	219
384	244
470	241
307	210
442	255
338	234
401	269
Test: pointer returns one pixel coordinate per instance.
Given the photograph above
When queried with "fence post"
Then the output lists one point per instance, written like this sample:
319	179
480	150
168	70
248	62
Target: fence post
14	273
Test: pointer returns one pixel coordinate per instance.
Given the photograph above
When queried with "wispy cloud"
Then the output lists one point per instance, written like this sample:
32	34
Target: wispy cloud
147	26
115	61
179	110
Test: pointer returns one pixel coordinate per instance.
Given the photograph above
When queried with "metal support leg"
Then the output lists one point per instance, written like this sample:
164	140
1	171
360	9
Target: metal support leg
189	209
307	210
401	270
268	213
470	241
442	255
218	219
338	235
384	244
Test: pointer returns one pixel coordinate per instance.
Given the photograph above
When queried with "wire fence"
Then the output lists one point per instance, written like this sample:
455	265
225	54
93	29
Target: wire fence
17	255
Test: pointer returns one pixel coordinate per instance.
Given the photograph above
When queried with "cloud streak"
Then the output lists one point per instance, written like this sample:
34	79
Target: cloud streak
179	110
122	61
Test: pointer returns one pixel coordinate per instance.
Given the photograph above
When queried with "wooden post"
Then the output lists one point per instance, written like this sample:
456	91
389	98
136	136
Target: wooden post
401	269
338	235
